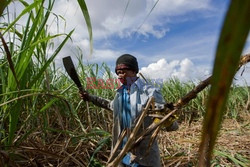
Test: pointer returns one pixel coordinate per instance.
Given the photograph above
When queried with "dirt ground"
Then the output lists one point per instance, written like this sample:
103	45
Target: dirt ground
180	148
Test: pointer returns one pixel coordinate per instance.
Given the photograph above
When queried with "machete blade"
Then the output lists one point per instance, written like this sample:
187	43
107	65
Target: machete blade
70	68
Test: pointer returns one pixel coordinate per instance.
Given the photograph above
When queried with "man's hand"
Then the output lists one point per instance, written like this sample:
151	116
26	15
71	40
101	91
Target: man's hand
84	95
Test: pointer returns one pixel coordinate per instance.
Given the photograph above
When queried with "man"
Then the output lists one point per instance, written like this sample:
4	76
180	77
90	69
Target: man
127	105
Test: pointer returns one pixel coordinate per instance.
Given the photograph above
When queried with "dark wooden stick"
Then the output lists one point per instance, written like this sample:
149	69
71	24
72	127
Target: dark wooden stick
203	84
132	136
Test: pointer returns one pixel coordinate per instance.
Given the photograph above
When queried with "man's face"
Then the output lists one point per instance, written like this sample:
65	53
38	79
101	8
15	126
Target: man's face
126	76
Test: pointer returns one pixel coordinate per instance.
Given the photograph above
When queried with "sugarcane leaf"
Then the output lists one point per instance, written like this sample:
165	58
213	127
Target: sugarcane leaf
4	4
85	13
52	57
231	43
26	10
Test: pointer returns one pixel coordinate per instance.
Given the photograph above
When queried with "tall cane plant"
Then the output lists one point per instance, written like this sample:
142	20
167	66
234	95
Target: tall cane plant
229	49
27	56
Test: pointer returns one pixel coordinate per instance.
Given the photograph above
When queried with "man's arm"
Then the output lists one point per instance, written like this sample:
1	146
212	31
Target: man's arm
98	101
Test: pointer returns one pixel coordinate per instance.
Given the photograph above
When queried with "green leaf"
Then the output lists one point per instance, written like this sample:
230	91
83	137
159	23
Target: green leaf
88	21
4	4
48	105
51	59
26	10
231	43
228	156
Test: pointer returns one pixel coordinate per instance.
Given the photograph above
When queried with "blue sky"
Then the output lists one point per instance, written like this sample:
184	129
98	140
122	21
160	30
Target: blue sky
177	39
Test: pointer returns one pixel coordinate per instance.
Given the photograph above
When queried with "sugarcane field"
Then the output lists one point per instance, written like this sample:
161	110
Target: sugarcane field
118	83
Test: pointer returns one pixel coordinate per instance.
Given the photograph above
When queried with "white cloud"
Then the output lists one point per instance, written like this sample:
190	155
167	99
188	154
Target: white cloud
105	55
110	18
184	70
148	29
178	7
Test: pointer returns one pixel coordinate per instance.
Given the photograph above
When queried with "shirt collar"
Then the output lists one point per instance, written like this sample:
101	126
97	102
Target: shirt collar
139	83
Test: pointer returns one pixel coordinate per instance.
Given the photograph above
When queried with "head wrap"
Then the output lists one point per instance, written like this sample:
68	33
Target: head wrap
127	61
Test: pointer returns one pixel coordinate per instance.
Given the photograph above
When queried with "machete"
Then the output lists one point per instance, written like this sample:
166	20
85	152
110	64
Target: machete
70	68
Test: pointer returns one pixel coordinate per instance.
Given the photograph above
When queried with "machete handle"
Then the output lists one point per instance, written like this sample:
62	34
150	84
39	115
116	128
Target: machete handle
70	69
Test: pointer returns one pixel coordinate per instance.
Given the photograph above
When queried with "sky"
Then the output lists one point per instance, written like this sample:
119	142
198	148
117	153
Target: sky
170	38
